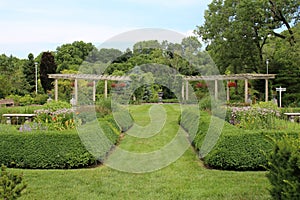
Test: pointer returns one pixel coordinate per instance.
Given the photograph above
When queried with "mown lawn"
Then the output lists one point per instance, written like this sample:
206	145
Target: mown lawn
186	178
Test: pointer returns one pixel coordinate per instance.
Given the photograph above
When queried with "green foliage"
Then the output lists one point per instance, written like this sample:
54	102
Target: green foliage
56	105
29	72
47	66
60	119
241	151
258	116
11	185
236	149
44	150
284	168
71	56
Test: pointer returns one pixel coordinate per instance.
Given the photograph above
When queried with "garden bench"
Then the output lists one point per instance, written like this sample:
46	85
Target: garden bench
292	116
9	116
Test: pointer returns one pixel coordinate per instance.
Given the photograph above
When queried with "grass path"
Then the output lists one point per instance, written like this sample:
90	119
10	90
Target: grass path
186	178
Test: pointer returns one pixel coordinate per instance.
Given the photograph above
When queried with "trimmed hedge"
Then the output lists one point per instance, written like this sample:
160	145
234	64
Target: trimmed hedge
44	150
246	151
236	149
50	149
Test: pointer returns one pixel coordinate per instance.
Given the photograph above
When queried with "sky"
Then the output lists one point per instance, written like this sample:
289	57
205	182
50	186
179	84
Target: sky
34	26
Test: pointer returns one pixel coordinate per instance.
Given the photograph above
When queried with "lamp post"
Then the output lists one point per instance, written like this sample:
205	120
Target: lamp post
267	62
36	83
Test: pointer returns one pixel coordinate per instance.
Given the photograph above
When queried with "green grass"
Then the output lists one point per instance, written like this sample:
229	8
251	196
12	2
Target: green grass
184	179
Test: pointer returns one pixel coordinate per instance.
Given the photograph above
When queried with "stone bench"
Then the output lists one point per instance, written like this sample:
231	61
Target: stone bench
292	116
28	117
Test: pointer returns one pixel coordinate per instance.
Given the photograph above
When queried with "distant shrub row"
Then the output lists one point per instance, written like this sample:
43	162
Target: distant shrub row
236	149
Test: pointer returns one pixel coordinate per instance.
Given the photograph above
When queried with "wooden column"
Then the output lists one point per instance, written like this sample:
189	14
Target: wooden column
94	91
227	91
76	91
182	90
105	88
267	90
56	90
246	90
216	89
187	90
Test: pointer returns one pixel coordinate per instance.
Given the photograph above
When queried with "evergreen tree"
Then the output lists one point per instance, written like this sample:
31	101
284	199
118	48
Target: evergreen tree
47	66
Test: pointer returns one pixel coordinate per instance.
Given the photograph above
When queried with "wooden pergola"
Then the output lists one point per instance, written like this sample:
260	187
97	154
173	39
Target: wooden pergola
91	77
185	84
245	77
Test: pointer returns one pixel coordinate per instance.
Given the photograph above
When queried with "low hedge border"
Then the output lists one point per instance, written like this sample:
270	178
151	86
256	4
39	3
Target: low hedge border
236	149
50	149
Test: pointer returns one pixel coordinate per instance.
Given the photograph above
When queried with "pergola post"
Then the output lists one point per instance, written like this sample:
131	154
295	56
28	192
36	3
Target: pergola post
182	90
76	91
246	90
227	91
267	90
94	91
105	88
187	90
216	89
56	90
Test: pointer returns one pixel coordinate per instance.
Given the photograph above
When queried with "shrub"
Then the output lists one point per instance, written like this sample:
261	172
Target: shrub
284	169
26	100
44	150
236	149
11	185
52	149
245	151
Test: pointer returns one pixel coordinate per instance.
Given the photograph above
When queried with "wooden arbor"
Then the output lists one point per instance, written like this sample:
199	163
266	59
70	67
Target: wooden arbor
185	84
216	78
91	77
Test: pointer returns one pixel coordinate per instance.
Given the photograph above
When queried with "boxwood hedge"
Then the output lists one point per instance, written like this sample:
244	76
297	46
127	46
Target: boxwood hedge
236	149
49	149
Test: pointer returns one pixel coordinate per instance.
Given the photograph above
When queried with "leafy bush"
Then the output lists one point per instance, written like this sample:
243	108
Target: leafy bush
284	168
44	150
245	151
11	185
236	149
26	100
40	99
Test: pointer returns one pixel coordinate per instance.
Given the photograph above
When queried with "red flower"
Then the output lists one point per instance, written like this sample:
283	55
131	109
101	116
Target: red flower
231	84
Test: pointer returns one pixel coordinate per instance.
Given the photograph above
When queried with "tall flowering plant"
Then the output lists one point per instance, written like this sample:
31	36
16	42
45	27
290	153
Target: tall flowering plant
60	119
253	117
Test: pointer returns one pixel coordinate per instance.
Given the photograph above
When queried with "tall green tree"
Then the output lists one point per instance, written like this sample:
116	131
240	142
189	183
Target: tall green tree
47	66
236	31
29	72
71	56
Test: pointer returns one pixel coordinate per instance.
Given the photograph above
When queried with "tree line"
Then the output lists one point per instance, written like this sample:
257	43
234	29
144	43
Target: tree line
239	36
